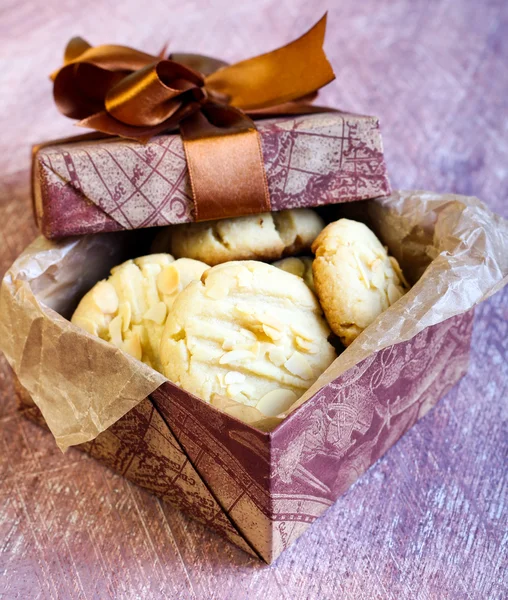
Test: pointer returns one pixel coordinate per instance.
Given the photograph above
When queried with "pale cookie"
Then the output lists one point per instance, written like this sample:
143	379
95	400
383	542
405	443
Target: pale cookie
301	266
247	331
129	309
266	236
355	279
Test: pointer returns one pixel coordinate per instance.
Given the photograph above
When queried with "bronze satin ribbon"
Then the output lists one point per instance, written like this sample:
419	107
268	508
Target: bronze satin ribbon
120	91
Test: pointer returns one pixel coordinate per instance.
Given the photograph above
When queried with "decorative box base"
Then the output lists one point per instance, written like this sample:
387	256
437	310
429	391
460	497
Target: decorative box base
263	490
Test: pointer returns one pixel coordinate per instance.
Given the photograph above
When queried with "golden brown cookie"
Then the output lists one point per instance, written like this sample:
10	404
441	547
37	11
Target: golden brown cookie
248	331
354	277
266	236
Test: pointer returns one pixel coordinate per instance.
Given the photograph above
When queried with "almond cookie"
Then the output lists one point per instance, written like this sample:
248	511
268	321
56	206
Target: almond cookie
355	279
129	309
247	331
301	266
266	236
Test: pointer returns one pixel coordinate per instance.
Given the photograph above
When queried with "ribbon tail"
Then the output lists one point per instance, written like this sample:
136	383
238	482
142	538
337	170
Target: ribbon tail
225	162
280	76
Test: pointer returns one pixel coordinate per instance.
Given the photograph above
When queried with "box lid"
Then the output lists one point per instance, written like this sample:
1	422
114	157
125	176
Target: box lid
83	187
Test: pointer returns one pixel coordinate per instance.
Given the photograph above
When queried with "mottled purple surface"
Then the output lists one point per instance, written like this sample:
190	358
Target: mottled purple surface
428	521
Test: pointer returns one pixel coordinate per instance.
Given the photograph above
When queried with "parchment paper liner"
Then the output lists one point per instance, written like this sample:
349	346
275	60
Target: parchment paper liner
453	247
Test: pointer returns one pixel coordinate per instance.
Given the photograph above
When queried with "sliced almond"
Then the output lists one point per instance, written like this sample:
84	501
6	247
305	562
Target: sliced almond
275	402
168	280
115	331
87	325
217	291
361	268
305	345
297	330
255	349
159	260
248	334
156	313
105	297
398	271
378	274
298	365
150	269
125	313
233	390
236	393
272	333
272	322
248	390
277	356
234	377
242	410
220	379
132	346
394	293
243	309
228	344
233	345
235	356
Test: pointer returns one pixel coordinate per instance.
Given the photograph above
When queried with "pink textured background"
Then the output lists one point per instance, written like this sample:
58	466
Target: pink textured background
427	521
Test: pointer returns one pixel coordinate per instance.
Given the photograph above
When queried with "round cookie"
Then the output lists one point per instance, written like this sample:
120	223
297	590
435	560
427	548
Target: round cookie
355	279
265	236
248	331
129	309
301	266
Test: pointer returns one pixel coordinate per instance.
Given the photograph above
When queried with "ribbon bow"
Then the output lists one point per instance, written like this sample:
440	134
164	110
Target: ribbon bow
121	91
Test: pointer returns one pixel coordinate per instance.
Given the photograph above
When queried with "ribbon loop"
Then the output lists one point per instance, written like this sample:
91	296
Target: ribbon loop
153	94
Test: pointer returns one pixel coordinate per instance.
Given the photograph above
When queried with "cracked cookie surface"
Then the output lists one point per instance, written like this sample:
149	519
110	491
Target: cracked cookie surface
248	331
266	236
355	278
129	309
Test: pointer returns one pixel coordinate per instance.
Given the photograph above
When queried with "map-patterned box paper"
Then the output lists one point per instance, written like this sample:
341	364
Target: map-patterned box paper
263	490
112	184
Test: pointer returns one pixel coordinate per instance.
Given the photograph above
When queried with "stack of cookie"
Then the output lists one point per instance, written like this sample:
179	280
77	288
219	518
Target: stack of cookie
209	312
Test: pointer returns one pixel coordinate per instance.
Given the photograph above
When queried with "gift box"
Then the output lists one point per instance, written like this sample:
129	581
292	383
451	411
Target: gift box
260	484
91	186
